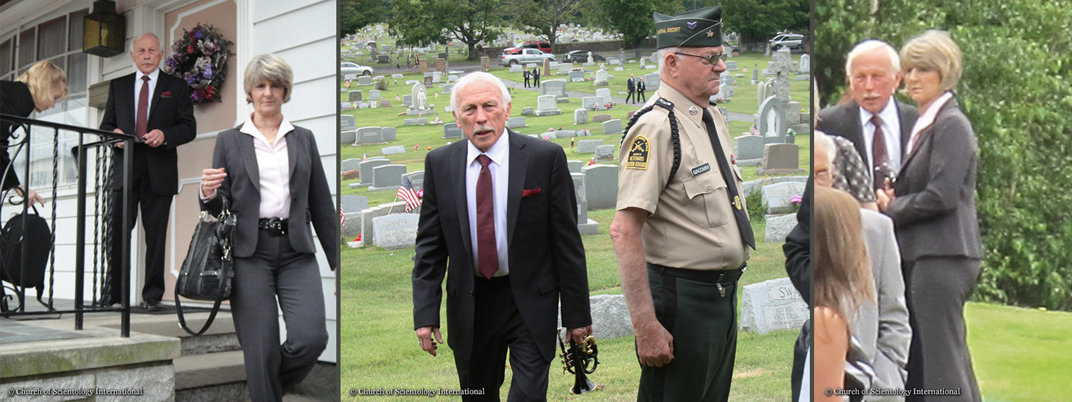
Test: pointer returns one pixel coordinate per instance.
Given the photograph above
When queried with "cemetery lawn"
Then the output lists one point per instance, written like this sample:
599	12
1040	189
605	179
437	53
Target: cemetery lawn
431	135
379	348
1020	354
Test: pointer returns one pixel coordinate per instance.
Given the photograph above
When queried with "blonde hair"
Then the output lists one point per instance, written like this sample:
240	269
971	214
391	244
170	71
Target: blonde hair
843	278
272	68
42	77
934	50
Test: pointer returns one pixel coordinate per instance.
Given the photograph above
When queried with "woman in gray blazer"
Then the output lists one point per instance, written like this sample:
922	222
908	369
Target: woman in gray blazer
932	204
270	171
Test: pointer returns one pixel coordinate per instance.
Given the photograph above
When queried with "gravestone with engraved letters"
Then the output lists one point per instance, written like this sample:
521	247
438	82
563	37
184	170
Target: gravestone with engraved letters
395	231
773	305
365	169
547	105
387	177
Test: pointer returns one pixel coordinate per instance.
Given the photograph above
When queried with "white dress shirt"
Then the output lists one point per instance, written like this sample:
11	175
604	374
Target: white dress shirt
273	163
891	131
138	82
500	176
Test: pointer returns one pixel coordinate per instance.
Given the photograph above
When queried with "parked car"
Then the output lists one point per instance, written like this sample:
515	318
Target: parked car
581	56
789	40
347	68
526	56
532	44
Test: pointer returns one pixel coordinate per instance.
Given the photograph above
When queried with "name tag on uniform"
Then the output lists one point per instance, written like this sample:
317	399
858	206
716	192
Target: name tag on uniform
699	170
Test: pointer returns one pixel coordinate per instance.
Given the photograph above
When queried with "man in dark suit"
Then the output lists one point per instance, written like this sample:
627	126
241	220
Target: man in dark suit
535	77
156	108
630	85
501	209
873	70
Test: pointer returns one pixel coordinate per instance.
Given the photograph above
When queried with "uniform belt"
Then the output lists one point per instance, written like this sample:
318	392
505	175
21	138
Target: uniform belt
723	277
274	226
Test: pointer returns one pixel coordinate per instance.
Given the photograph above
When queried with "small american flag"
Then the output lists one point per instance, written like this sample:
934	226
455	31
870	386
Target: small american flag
408	194
342	217
364	156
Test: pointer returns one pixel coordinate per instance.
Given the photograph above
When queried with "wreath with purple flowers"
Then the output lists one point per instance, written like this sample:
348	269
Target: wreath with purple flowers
200	58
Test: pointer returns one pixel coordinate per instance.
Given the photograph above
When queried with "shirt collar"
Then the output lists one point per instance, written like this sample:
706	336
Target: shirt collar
248	128
152	76
682	103
887	114
928	116
497	152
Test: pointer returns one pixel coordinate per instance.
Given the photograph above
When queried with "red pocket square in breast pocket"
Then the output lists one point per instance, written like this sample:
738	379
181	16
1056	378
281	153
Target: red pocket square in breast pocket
165	94
529	192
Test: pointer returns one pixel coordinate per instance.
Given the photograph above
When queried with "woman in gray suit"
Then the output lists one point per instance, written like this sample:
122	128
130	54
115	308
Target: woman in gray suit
270	171
932	204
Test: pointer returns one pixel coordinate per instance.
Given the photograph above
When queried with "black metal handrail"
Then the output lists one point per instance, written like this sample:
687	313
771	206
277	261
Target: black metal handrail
80	152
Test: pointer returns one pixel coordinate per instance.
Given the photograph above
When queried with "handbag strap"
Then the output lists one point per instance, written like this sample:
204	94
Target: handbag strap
226	277
211	316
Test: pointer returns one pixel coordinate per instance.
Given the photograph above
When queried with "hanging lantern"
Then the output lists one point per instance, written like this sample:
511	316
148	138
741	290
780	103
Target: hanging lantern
103	32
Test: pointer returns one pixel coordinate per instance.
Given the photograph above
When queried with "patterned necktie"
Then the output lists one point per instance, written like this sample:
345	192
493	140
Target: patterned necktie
488	257
731	183
142	122
878	153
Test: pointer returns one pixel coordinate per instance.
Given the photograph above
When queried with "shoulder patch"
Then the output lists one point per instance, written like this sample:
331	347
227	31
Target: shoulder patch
638	154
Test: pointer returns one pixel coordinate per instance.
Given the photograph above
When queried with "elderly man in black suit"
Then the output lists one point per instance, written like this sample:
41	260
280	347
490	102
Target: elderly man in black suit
501	209
156	108
873	70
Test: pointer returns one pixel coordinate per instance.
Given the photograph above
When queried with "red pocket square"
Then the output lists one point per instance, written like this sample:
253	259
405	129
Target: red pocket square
165	94
530	192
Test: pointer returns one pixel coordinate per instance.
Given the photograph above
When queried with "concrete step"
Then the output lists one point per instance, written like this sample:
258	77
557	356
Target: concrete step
220	337
218	376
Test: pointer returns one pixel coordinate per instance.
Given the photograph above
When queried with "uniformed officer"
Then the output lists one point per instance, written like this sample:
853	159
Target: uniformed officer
681	232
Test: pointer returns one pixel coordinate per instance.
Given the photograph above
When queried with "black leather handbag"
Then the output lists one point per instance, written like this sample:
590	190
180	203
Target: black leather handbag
38	238
207	271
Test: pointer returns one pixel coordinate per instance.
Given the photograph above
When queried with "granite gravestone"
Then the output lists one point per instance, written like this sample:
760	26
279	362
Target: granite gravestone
780	159
585	225
778	197
748	150
547	105
365	169
588	146
554	87
368	135
772	126
613	126
416	179
778	227
601	185
580	116
387	177
395	231
515	122
391	150
605	153
772	305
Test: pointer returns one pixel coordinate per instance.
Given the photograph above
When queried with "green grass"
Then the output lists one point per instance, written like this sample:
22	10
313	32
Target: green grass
1020	354
379	348
431	135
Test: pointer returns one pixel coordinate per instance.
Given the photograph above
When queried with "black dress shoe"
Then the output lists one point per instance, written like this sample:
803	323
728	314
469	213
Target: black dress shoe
151	305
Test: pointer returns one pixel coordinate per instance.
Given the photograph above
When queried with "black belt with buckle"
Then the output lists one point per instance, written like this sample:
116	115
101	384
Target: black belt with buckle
719	278
274	226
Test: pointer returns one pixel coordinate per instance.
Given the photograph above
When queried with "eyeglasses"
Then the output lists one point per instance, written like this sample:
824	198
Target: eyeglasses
712	60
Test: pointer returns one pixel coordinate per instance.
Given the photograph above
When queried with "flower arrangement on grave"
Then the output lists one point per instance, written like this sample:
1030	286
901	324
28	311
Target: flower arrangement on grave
796	200
199	57
609	105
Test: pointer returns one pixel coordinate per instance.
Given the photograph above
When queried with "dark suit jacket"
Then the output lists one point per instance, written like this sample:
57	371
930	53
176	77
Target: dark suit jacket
310	198
630	85
844	121
934	207
15	100
641	86
170	111
546	253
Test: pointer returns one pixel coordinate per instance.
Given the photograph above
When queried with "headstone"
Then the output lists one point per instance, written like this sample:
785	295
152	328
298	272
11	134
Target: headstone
391	150
396	76
601	78
588	146
383	58
516	68
575	166
428	80
605	94
353	203
347	127
772	305
346	106
395	231
651	83
420	98
547	105
755	74
415	122
805	64
437	77
601	185
772	125
584	225
600	118
364	80
731	64
610	316
387	177
407	100
782	66
354	96
727	78
780	159
441	63
565	68
614	62
446	88
554	87
613	126
592	102
576	76
778	227
349	164
550	135
385	103
374	94
451	130
416	179
452	78
605	153
515	122
368	135
580	116
367	230
777	197
748	150
388	133
365	170
527	111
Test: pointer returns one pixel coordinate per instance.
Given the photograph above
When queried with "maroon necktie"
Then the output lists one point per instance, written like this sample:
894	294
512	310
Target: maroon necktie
488	258
142	122
878	152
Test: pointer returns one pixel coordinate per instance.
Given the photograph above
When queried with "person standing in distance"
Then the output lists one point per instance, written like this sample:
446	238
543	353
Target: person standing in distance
157	110
681	232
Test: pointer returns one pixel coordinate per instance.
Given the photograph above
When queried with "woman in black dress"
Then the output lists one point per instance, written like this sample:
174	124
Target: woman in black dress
37	89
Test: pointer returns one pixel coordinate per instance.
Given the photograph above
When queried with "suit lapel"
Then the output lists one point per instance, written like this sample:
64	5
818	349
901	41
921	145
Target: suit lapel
154	100
456	173
858	129
295	147
244	145
906	129
519	164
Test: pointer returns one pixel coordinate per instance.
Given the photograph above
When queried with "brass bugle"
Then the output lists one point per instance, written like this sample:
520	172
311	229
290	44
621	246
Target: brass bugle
580	360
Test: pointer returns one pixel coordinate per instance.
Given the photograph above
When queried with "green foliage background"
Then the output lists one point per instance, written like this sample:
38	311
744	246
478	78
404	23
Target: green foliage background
1015	90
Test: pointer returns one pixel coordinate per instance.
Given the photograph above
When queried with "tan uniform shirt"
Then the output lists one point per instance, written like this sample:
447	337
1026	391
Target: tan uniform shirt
691	223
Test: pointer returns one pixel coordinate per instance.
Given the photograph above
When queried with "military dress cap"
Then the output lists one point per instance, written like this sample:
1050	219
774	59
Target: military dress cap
696	28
